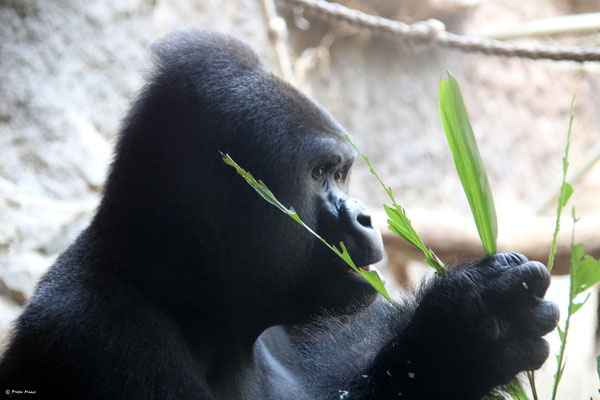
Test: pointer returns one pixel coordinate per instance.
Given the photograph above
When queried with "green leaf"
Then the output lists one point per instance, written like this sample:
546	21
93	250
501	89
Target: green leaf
516	390
370	276
468	161
577	253
576	306
586	274
565	194
399	223
561	333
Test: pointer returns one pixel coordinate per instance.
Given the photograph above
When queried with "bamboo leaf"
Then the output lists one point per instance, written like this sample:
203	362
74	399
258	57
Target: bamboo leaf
468	161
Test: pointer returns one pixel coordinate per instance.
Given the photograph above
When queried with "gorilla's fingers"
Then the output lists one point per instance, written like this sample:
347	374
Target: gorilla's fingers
541	319
516	259
527	355
502	261
535	277
512	357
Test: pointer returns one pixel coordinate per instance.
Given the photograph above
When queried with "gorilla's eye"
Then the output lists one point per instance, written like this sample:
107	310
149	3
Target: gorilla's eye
338	176
318	172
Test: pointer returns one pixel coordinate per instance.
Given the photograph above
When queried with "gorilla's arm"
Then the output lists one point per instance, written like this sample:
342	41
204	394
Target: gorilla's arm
464	334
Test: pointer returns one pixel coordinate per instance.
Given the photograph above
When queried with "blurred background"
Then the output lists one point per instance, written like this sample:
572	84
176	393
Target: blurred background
69	70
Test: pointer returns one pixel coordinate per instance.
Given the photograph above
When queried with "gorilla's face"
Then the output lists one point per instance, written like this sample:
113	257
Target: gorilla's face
305	160
169	186
339	218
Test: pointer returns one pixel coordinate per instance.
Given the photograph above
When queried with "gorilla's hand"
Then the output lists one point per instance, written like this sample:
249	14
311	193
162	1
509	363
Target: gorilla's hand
473	329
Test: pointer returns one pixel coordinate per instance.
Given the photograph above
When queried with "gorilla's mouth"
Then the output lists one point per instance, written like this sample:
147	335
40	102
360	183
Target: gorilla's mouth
356	276
364	268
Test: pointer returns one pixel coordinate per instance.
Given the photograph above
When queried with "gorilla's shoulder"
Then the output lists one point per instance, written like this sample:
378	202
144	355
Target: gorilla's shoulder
196	47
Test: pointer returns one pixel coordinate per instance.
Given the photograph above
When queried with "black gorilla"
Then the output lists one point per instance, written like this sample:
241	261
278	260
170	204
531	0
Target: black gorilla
187	285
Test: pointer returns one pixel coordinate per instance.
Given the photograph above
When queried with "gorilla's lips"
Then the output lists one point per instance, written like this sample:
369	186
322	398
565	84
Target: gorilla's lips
364	268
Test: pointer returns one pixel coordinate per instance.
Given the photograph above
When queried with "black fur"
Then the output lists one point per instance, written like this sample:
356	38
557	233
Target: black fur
187	285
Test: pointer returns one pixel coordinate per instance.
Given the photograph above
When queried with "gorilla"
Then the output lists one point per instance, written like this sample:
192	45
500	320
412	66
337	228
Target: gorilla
188	285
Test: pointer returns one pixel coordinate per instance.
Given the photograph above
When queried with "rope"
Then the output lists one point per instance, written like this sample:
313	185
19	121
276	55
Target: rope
434	31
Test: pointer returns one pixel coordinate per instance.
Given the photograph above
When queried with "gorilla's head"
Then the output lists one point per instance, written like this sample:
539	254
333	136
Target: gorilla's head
206	235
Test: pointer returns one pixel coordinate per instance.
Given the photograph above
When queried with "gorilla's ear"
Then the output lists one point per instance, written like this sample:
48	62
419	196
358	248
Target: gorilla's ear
194	46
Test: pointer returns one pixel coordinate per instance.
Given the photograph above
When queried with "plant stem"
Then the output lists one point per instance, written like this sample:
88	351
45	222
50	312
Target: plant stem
561	354
563	188
531	377
563	342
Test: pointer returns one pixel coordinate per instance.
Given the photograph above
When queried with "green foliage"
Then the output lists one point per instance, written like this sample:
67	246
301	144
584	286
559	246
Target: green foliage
584	271
467	159
399	223
516	390
584	274
370	276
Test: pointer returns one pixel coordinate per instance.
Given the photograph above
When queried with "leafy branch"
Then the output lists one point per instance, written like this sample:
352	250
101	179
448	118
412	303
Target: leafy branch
584	273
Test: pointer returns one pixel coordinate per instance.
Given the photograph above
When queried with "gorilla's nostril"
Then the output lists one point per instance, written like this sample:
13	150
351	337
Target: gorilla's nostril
364	220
